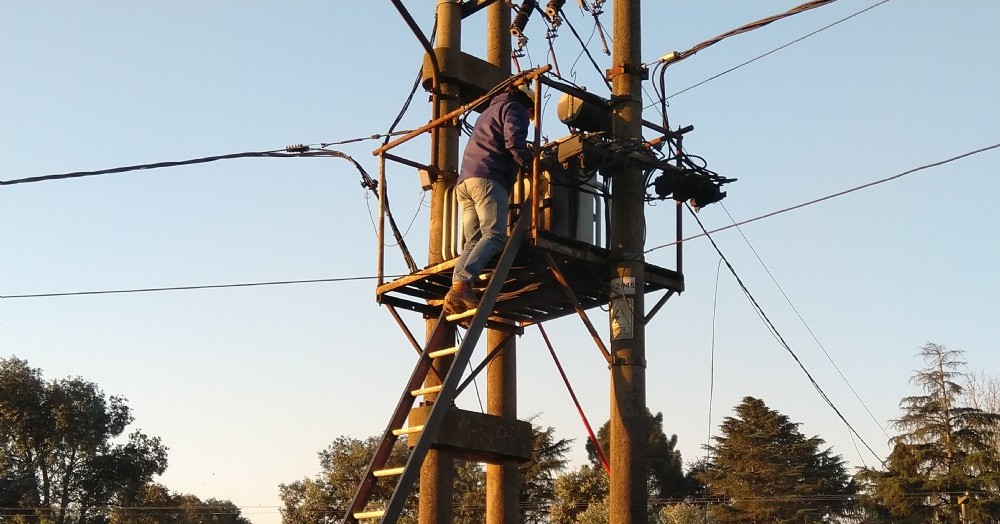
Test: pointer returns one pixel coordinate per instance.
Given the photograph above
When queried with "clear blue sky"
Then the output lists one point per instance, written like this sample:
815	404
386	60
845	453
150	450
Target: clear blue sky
246	385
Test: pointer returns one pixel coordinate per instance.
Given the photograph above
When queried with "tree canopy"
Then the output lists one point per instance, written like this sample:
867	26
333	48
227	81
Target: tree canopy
762	469
945	454
158	505
65	458
666	472
58	447
324	498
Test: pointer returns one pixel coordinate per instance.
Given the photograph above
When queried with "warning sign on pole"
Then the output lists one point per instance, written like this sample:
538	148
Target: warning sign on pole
622	308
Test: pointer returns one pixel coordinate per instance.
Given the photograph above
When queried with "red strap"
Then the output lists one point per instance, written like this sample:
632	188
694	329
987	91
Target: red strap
590	431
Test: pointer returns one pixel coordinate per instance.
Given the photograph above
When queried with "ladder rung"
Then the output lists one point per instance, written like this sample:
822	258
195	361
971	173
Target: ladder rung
369	514
424	391
460	316
443	352
407	430
388	472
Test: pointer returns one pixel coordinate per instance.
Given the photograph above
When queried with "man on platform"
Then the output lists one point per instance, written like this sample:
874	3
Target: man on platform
496	151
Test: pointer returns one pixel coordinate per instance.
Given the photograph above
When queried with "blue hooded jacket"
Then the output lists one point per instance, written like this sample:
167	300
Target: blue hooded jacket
498	145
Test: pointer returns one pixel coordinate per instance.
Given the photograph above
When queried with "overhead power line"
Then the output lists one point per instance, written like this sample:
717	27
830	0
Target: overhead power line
771	52
157	165
586	50
735	224
294	151
828	197
804	323
190	288
777	335
677	56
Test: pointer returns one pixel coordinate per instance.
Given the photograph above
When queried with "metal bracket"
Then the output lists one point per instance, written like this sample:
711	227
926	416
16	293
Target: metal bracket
561	279
656	308
632	69
619	361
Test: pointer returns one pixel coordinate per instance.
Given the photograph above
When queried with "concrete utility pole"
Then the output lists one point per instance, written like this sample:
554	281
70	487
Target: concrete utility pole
437	474
502	480
628	335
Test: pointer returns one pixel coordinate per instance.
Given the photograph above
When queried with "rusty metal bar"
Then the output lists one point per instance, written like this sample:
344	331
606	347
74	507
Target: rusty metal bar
527	75
482	365
680	217
659	304
380	270
409	334
471	7
417	165
405	328
435	67
536	163
576	304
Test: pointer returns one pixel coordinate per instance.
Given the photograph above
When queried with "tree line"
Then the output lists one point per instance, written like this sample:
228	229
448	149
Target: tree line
65	458
944	467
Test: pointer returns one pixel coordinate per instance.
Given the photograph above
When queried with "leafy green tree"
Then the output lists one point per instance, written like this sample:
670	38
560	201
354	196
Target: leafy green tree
470	493
983	392
683	513
157	505
666	473
945	448
538	476
61	463
576	492
765	470
581	497
324	499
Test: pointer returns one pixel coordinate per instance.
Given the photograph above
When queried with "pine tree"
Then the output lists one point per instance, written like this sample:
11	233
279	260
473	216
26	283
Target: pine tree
763	469
944	451
666	473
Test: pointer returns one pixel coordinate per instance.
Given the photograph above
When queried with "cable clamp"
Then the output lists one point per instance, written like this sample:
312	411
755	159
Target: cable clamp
631	69
617	100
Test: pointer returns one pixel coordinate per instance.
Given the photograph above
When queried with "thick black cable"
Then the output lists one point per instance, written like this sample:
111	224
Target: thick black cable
157	165
777	334
585	50
775	50
367	181
400	238
406	106
828	197
413	91
675	57
290	152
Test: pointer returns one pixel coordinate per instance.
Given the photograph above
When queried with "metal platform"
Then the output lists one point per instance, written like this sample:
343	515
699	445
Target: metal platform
532	293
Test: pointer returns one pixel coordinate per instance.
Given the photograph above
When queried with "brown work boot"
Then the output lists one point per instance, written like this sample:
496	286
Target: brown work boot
460	298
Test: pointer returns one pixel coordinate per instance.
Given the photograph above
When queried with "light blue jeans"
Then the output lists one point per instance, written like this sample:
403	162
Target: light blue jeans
484	208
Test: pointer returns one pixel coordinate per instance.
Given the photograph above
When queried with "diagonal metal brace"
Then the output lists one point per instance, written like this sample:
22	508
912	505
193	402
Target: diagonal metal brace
561	279
656	308
409	336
